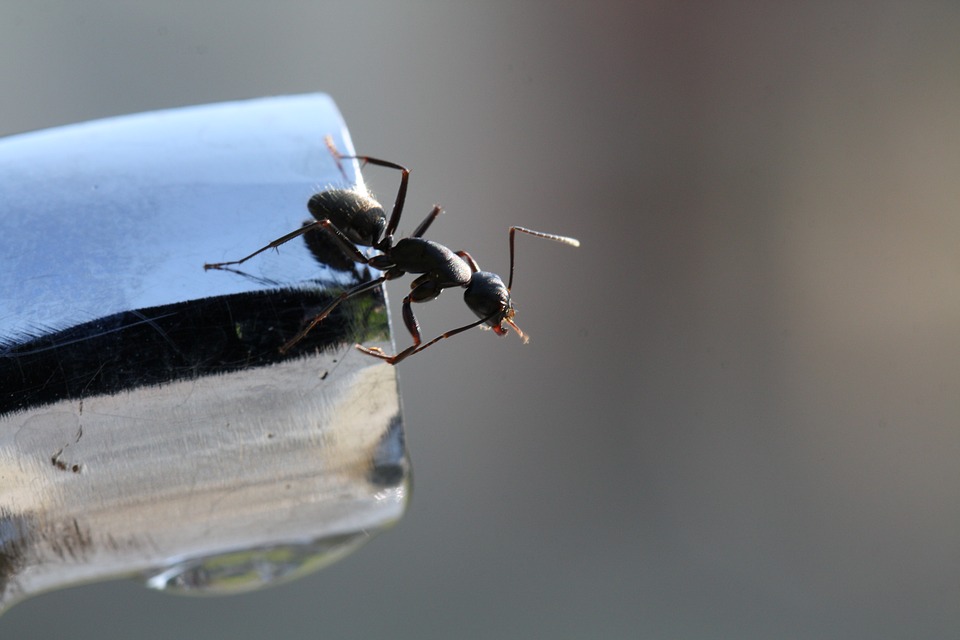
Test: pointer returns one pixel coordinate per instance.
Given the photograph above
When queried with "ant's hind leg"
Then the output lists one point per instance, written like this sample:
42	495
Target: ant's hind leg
350	247
401	192
273	245
344	241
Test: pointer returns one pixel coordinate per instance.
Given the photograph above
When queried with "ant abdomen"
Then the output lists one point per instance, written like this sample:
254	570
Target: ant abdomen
357	215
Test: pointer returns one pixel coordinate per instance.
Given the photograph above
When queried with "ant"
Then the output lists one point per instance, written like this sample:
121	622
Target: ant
356	220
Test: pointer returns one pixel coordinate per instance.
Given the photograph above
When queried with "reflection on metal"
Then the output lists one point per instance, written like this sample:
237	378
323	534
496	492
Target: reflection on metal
253	568
148	423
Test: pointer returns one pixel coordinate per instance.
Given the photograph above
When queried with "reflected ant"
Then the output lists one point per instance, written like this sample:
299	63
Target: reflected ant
355	220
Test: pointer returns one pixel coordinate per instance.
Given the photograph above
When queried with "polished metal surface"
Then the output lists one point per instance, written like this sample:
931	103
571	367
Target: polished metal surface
148	422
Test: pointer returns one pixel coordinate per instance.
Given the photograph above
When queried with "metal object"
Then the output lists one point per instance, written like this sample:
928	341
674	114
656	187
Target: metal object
149	423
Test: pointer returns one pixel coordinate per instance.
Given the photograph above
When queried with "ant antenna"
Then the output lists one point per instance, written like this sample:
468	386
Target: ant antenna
573	242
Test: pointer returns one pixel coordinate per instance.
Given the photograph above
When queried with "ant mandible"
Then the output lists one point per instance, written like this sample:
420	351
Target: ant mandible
355	219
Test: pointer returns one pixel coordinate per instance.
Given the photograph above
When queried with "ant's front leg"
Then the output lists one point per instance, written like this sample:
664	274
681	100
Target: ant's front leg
417	348
424	289
410	321
429	289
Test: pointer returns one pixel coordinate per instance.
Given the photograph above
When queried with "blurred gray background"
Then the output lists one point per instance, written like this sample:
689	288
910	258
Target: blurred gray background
739	412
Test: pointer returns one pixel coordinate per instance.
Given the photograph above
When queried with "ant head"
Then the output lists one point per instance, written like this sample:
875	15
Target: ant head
489	299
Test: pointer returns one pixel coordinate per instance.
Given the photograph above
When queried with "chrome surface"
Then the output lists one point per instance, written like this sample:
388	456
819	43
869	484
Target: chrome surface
148	423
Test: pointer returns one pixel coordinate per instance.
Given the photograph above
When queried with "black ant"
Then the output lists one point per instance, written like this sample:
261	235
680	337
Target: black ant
355	219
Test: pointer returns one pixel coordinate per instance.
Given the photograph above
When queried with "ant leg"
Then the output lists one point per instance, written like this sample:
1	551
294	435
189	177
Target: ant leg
343	241
317	319
539	234
422	292
474	267
417	348
350	247
273	245
422	228
401	192
414	328
410	321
